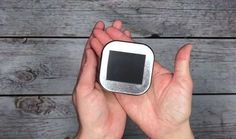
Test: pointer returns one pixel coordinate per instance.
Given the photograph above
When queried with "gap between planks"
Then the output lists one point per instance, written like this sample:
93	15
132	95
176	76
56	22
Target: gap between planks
86	37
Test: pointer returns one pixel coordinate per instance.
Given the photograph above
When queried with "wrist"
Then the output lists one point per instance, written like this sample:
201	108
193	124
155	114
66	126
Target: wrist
182	132
93	135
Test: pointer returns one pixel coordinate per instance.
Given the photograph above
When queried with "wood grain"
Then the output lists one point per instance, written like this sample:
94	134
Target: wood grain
50	66
55	118
43	118
170	18
213	117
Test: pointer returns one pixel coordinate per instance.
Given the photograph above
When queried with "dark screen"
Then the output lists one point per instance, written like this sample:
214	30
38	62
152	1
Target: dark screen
125	67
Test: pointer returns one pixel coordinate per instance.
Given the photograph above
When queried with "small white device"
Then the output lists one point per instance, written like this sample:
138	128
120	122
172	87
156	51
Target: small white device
126	67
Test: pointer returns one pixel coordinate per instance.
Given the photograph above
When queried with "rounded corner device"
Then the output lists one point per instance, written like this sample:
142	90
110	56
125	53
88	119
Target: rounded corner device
126	67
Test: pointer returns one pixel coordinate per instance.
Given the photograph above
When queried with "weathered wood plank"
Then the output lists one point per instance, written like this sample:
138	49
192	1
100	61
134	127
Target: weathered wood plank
208	18
43	118
50	66
213	117
54	117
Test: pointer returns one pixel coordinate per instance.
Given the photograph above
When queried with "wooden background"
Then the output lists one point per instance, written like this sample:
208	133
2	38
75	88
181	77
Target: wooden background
41	44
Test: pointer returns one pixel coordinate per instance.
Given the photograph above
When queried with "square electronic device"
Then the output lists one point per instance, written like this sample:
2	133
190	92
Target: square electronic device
126	67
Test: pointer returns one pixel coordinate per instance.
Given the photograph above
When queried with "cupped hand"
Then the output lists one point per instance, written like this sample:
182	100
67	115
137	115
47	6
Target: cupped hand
100	114
164	110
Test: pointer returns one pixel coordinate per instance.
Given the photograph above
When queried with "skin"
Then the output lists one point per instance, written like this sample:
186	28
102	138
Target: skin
99	113
162	112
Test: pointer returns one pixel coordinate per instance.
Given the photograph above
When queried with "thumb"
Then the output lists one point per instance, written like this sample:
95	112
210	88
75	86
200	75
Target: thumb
88	72
182	61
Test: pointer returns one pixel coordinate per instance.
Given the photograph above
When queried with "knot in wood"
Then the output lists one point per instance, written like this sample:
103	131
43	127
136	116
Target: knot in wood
25	75
35	105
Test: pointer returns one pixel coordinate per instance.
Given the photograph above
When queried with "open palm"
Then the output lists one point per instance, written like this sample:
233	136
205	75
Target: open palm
167	104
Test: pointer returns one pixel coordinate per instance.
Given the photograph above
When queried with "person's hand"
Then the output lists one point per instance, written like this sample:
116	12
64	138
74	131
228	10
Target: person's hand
100	114
164	110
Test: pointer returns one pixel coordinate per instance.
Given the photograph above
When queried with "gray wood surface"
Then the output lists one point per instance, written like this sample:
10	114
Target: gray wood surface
50	66
213	117
170	18
54	118
43	118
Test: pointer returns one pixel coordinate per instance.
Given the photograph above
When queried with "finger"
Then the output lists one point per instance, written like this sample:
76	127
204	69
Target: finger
99	25
117	34
102	36
117	24
88	73
127	33
97	46
182	61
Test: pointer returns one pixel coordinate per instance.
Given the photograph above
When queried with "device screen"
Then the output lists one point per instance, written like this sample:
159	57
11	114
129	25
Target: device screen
125	67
